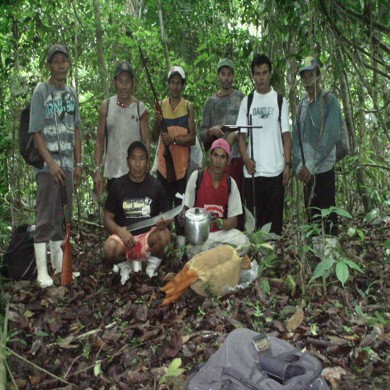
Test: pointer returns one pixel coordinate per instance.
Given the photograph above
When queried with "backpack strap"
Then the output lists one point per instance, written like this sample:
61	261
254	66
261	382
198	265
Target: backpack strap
105	123
280	103
249	103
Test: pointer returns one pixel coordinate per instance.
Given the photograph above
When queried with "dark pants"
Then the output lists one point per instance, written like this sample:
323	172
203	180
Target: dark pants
269	201
324	196
171	189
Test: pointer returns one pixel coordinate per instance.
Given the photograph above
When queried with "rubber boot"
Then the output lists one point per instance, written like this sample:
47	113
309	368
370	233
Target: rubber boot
56	256
125	269
153	263
44	280
330	247
137	266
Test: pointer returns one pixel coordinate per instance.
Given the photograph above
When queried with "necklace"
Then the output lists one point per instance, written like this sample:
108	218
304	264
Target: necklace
120	104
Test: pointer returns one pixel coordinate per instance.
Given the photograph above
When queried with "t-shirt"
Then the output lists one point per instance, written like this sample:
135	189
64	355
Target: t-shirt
123	128
234	206
267	141
221	110
55	114
132	202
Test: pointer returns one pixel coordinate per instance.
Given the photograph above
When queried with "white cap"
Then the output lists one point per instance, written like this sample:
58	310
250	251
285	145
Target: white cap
177	69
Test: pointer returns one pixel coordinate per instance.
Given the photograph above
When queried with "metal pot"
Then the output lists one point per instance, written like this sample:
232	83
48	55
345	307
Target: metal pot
197	225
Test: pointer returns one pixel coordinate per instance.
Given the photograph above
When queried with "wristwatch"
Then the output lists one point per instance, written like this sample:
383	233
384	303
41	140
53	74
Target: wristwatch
288	164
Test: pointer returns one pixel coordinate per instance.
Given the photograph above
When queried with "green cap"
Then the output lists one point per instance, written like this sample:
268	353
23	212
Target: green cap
308	63
225	62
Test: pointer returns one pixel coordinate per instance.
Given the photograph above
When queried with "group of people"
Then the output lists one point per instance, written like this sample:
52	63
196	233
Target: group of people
248	138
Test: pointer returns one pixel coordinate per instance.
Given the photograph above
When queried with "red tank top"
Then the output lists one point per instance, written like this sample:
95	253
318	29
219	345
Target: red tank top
213	199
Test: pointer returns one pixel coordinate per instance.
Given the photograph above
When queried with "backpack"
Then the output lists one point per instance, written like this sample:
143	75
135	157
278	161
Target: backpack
19	258
27	146
251	361
200	178
280	103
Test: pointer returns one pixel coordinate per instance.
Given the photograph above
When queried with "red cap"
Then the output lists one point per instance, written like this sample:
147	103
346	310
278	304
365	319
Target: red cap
221	143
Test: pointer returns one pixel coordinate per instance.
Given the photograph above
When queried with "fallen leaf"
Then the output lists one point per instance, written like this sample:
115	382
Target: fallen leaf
295	320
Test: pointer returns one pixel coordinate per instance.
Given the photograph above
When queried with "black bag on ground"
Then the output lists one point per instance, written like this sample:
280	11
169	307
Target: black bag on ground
251	361
20	255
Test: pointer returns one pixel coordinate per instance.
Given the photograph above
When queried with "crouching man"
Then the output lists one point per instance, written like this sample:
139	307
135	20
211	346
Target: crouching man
216	192
132	198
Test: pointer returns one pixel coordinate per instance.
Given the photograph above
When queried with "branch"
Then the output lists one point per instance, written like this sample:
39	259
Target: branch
39	368
359	17
350	43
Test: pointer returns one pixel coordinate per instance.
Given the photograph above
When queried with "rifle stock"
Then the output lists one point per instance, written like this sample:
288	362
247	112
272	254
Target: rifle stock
66	275
171	175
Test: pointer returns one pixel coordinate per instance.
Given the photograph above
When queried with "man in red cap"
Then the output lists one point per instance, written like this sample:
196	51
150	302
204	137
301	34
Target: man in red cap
218	194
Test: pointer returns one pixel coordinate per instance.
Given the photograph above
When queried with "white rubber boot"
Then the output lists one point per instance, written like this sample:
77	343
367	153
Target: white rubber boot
56	256
153	263
44	280
125	269
330	247
137	266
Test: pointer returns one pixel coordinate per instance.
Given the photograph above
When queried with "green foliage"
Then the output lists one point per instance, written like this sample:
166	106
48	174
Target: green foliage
174	370
335	263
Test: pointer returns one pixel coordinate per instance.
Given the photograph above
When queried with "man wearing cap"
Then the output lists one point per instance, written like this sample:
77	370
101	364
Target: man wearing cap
133	197
218	194
317	128
122	120
179	116
222	109
55	125
267	171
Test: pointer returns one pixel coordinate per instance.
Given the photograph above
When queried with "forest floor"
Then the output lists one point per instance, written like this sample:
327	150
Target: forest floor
100	334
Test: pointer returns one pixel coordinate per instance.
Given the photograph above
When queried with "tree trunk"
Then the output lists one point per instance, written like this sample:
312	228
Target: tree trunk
100	49
163	36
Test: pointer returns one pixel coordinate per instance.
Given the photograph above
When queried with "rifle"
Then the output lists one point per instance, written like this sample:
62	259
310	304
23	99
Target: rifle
66	275
171	175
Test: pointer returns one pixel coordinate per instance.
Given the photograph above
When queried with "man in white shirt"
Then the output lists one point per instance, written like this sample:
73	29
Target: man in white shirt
267	171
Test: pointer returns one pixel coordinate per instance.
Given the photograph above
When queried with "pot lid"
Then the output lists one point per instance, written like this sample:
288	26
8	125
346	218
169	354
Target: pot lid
197	214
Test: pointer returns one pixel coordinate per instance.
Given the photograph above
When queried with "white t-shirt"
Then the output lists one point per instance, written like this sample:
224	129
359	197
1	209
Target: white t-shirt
234	201
267	141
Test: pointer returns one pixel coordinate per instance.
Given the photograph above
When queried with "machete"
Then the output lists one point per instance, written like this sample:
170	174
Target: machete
153	220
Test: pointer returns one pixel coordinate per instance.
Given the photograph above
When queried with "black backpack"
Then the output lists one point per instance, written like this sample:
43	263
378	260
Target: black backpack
251	361
19	258
27	146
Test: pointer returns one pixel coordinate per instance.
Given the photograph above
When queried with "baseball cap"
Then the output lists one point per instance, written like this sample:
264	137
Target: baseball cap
221	143
225	62
177	69
308	63
56	49
135	145
123	67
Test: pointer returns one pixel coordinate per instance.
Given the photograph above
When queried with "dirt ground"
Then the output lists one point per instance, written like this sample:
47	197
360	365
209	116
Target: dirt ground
99	334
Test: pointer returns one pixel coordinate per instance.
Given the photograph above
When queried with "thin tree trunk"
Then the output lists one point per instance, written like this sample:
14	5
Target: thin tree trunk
163	36
100	49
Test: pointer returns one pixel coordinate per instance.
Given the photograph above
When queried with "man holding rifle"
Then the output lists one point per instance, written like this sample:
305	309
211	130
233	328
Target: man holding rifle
268	164
55	124
134	197
179	117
